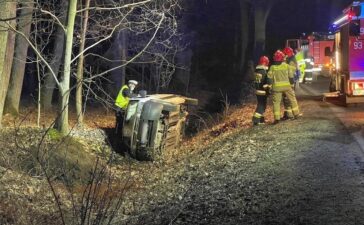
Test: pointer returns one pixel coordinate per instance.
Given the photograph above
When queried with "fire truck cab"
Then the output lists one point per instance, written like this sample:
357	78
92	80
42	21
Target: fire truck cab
347	77
313	47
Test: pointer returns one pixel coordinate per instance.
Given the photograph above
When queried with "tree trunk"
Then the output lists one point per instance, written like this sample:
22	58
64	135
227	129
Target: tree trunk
184	62
262	10
21	49
7	41
64	87
80	65
237	48
58	49
120	53
124	54
244	18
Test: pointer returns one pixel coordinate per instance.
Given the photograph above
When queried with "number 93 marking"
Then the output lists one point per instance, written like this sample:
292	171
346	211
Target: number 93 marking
358	45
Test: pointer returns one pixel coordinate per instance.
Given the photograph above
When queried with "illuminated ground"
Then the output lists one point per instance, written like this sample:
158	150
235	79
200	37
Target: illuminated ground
308	171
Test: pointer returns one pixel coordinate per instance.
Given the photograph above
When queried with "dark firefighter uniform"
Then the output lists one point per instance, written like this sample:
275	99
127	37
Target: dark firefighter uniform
261	83
280	76
309	67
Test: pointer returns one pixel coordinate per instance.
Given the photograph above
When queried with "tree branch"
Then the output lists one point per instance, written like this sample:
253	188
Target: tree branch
136	56
116	8
54	17
100	41
36	51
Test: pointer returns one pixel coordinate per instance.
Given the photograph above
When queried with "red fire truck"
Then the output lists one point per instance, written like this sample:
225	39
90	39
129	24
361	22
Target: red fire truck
314	59
347	77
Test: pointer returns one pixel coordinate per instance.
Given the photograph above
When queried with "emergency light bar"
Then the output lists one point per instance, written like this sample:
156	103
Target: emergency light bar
342	19
354	12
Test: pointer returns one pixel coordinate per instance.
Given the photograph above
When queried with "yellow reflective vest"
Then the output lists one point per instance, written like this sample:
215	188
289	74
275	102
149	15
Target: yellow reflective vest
300	58
121	100
281	76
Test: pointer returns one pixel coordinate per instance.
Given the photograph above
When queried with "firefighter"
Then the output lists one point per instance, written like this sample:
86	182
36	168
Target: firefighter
280	77
122	102
309	63
290	60
301	63
261	92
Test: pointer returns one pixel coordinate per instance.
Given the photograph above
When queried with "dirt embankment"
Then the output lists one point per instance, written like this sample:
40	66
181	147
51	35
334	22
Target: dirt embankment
43	174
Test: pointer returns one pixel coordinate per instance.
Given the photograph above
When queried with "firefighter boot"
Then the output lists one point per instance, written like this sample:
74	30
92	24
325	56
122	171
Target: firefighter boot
299	115
257	118
262	120
288	114
293	101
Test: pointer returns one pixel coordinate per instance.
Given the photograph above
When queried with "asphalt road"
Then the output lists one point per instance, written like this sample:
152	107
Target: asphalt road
307	171
352	116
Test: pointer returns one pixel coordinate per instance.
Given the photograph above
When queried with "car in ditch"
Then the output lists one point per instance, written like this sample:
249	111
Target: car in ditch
154	124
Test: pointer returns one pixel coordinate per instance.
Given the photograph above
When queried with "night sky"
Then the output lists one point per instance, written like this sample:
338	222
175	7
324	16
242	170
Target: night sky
289	19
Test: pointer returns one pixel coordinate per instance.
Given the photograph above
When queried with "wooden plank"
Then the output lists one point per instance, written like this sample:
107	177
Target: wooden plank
174	99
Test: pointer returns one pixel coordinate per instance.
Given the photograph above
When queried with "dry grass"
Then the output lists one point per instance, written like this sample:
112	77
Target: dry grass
94	117
233	119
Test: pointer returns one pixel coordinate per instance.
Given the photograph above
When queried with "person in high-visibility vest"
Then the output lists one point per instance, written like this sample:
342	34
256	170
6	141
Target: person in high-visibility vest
261	90
280	77
290	60
301	63
122	102
309	64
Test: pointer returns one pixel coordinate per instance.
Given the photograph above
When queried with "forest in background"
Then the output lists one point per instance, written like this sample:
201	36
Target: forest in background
56	54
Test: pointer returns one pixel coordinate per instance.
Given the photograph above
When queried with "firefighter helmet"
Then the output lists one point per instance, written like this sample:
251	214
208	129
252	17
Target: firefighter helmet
288	51
264	60
278	56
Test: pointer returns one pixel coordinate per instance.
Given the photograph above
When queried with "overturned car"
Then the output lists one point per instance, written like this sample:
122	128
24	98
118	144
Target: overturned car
154	124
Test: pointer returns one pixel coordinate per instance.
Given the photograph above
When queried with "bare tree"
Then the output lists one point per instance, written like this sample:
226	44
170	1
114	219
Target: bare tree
148	42
80	64
261	12
56	54
151	24
20	57
64	84
7	41
245	8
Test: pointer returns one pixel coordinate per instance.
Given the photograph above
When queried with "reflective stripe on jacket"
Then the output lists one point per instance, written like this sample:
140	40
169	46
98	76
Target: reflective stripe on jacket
121	100
281	76
260	79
